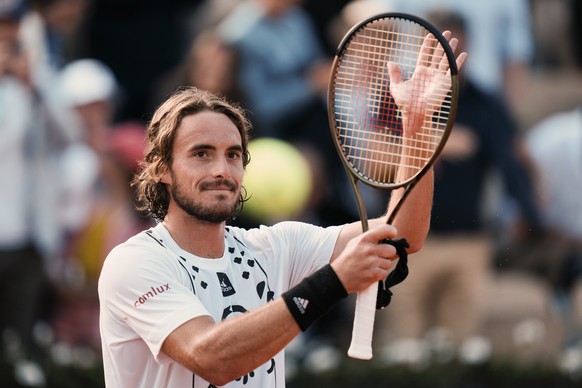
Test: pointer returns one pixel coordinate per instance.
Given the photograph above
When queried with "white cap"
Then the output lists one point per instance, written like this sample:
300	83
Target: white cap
87	80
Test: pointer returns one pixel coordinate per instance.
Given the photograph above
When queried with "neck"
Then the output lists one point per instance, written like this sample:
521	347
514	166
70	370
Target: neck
200	238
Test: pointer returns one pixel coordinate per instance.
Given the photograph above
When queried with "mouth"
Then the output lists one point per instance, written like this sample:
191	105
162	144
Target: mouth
221	186
221	191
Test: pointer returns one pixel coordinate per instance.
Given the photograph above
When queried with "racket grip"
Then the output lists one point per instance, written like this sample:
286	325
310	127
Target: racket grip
361	345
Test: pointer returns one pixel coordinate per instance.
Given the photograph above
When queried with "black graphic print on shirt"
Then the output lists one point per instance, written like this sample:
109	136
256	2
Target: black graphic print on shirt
241	286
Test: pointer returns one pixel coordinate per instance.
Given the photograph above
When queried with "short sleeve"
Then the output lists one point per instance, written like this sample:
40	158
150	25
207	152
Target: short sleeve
293	249
147	292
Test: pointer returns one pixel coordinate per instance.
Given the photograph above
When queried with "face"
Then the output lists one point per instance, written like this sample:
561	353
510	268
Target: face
207	169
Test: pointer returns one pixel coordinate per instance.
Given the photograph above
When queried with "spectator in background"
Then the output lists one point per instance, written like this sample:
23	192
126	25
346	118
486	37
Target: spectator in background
282	68
448	279
555	145
103	215
35	128
499	38
52	31
90	89
210	64
110	221
21	262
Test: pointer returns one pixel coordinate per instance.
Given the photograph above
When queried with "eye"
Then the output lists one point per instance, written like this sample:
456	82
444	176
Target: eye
200	154
234	155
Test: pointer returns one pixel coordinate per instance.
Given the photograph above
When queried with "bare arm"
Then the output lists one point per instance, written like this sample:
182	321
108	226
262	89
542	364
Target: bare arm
412	221
222	352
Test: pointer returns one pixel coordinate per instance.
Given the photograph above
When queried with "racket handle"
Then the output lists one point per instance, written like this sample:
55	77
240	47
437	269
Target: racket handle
361	346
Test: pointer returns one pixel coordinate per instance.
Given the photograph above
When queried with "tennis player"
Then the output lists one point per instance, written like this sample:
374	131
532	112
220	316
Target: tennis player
194	302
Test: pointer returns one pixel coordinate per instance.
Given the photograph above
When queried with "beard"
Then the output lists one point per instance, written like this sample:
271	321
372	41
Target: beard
219	211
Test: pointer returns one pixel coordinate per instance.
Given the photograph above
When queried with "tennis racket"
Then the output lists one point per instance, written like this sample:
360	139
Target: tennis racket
391	102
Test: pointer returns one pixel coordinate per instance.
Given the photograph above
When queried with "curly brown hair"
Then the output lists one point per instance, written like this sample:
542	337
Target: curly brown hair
153	197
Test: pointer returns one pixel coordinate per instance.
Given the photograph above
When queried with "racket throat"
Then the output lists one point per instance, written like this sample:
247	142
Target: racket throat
360	204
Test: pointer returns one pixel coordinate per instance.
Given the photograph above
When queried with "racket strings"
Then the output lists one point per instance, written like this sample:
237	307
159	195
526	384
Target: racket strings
369	123
383	158
378	139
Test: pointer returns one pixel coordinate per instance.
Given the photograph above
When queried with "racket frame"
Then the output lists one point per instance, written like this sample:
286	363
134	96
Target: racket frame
363	349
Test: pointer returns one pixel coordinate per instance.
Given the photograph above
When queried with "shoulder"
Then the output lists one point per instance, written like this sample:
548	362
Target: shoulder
288	238
144	242
142	254
282	230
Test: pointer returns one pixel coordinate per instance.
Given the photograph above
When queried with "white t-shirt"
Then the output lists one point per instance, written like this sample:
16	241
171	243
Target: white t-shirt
149	286
555	145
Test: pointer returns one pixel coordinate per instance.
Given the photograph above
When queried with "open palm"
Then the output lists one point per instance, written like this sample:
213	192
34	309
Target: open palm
420	96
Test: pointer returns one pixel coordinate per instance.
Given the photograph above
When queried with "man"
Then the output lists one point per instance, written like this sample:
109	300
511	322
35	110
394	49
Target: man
194	302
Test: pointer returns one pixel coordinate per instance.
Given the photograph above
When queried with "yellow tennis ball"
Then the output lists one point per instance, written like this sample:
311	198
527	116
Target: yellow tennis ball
278	181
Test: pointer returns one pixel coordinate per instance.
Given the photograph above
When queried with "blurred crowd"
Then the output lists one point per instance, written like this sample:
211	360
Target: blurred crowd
500	274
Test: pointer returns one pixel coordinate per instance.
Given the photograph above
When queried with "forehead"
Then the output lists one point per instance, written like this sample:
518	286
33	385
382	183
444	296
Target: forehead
209	128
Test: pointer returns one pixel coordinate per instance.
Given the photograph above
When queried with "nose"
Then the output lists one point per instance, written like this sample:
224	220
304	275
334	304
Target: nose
221	168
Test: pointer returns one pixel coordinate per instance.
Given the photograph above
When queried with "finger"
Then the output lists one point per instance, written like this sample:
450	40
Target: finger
386	264
439	51
444	60
443	65
425	54
454	42
461	60
387	252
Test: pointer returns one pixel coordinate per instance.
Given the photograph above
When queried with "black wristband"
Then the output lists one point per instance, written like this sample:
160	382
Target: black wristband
314	296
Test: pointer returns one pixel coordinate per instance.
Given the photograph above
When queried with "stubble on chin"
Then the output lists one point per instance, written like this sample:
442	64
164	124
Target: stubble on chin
218	209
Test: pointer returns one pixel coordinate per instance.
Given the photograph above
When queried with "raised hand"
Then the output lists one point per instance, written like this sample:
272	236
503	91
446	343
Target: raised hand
420	96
